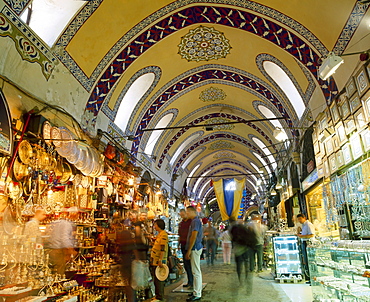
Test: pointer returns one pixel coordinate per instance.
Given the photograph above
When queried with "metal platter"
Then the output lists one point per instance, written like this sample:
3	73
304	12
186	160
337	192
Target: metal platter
67	173
25	152
68	143
20	170
56	136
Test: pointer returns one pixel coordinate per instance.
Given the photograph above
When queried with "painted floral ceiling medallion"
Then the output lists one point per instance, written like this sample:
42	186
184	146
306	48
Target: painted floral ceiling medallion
221	145
217	120
212	94
204	44
224	154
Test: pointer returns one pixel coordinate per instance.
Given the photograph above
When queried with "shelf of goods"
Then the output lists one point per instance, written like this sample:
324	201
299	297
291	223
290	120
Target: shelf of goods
340	271
287	258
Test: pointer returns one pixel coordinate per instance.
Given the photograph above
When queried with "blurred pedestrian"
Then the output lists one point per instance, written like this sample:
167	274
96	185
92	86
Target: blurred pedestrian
32	227
259	230
61	240
184	226
126	252
226	245
211	240
243	239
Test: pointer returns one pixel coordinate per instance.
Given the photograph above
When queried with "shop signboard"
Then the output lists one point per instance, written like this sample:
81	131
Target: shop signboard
6	137
310	180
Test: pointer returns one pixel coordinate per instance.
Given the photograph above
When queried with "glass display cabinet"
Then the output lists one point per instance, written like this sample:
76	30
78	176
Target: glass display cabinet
340	271
287	258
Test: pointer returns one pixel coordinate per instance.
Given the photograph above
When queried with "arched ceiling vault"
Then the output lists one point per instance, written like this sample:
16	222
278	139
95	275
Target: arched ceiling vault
206	65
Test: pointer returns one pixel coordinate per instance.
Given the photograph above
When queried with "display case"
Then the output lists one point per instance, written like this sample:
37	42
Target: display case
287	258
340	271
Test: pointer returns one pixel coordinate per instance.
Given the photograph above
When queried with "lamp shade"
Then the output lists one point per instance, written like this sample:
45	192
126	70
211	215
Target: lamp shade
329	66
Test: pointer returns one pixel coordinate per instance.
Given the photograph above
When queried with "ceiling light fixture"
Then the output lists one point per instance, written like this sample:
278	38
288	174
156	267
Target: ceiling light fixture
329	66
273	192
332	63
280	134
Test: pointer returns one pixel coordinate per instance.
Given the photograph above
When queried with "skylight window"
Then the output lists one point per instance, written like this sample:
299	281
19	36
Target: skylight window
191	157
48	18
192	173
263	162
265	150
182	146
286	85
267	113
131	98
200	179
164	121
252	184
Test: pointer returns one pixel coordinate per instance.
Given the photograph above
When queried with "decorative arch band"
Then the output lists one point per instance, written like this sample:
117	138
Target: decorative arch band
226	16
215	136
204	118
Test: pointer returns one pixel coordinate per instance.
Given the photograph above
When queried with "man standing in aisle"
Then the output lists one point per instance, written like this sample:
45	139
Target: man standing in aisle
194	249
259	230
210	238
184	226
308	231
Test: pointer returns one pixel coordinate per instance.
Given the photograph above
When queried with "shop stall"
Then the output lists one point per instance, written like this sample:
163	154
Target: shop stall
57	169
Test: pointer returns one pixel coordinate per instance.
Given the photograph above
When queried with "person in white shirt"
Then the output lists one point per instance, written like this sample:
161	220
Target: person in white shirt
32	227
307	232
226	246
308	229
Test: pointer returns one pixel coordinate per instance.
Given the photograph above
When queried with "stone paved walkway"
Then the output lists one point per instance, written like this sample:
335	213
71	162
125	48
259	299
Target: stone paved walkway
223	286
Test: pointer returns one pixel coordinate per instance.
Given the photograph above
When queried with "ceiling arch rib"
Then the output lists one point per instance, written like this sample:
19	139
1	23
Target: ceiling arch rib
196	79
282	37
193	74
221	162
186	142
202	119
212	137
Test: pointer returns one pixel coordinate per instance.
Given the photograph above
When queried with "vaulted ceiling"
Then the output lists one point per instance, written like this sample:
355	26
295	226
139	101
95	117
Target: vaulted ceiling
192	62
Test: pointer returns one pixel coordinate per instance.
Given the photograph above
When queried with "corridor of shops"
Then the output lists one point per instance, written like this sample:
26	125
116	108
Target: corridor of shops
185	150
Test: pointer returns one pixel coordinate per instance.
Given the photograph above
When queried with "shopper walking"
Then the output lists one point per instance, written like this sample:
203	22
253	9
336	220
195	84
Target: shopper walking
259	230
158	257
126	249
61	241
184	226
210	239
194	250
243	239
32	227
226	245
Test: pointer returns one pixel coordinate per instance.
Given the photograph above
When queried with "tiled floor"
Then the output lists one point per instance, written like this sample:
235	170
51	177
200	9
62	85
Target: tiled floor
223	286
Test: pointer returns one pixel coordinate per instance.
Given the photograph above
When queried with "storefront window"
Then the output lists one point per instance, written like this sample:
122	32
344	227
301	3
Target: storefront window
318	212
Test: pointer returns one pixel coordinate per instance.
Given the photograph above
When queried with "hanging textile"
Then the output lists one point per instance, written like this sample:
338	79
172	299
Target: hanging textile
229	193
